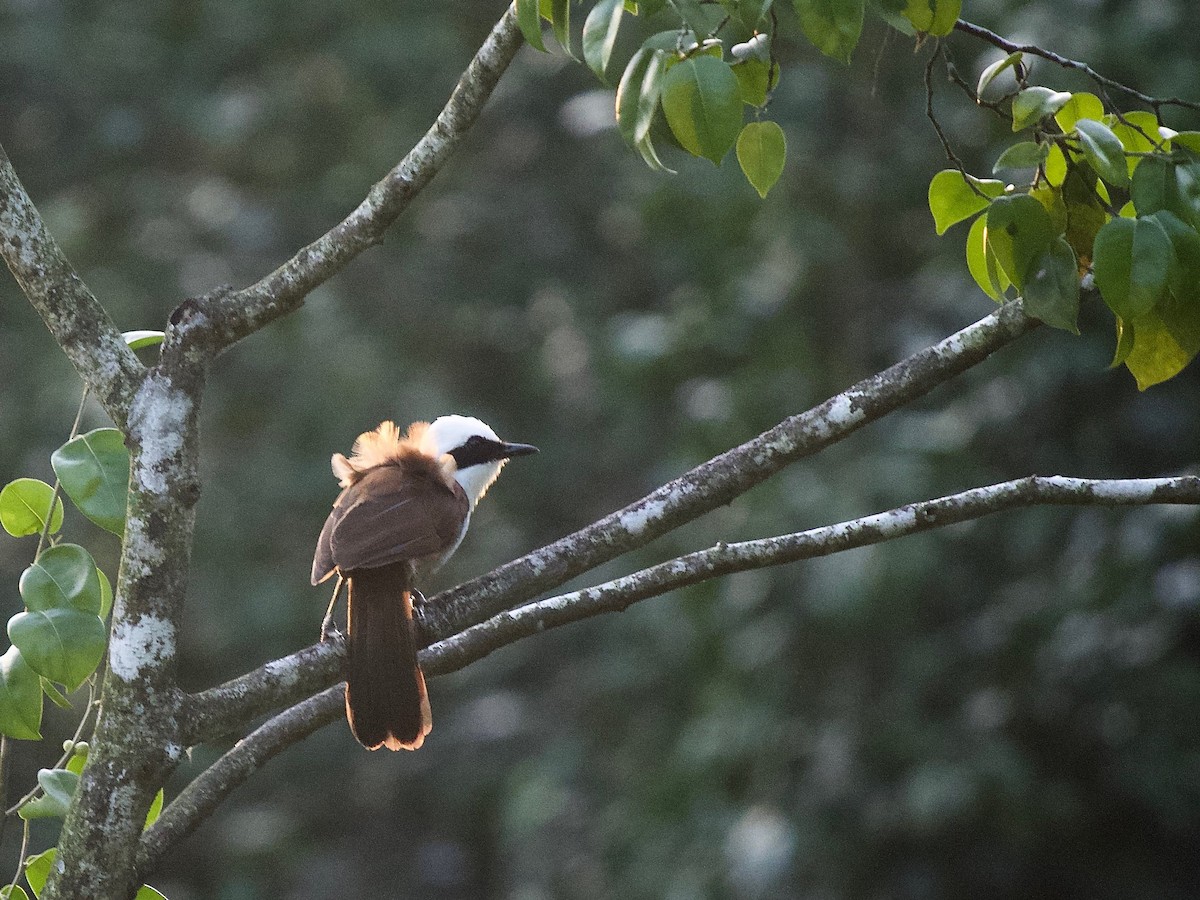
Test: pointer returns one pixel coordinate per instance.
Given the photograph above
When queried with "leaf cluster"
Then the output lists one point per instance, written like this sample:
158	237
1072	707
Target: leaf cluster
1096	194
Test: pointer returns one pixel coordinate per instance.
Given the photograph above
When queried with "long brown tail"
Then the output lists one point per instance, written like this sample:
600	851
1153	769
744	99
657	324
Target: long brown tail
386	701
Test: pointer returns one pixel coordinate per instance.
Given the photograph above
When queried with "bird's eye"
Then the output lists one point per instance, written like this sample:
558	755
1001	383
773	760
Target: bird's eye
474	439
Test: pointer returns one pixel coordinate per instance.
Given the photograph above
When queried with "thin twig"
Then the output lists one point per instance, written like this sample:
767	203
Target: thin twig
1103	81
57	492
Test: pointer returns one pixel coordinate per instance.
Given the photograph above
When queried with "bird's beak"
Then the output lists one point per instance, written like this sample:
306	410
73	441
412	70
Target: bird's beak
509	450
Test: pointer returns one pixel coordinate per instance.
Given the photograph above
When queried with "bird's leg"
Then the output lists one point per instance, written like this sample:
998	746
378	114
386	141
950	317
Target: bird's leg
329	631
418	599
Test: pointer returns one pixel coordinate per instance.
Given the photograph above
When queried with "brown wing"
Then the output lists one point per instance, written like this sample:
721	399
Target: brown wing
392	513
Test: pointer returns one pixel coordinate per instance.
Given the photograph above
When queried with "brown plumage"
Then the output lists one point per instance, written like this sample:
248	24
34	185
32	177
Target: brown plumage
400	511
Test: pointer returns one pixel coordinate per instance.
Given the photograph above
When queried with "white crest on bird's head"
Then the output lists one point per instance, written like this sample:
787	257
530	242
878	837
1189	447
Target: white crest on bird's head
448	433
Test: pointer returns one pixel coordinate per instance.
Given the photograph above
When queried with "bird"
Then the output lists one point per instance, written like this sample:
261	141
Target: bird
405	505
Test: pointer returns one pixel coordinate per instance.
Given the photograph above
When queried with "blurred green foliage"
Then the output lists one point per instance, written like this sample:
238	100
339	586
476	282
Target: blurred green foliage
1005	709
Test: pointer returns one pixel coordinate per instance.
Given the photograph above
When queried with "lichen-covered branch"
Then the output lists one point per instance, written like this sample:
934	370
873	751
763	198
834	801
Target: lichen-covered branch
455	652
197	801
723	478
230	318
724	559
704	488
225	709
74	316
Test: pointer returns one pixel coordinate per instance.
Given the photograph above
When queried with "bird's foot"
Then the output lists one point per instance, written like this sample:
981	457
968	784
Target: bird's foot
329	631
418	599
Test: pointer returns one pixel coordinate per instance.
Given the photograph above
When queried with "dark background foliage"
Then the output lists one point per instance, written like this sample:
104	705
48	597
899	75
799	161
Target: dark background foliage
1005	709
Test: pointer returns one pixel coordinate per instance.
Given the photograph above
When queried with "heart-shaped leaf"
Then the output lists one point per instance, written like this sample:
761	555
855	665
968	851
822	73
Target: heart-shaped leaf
63	645
94	471
703	103
24	504
20	698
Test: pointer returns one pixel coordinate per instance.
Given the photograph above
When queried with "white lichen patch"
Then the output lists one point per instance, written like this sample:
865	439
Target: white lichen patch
141	552
145	642
120	806
634	521
161	413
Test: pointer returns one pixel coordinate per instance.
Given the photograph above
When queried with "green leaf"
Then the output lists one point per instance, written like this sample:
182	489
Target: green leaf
1019	230
13	892
761	151
1056	166
988	75
981	262
63	645
58	787
1165	341
1187	186
63	577
78	758
1081	106
529	20
20	698
1153	187
1131	262
703	104
106	594
750	12
37	869
1124	342
94	471
23	507
833	26
952	199
936	17
1025	155
156	806
756	78
1138	133
139	339
1036	103
1052	287
145	892
56	696
1104	151
600	34
639	92
1183	281
560	24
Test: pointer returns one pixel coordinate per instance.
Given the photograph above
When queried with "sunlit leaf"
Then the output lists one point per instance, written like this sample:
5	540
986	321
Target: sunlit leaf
1025	155
1036	103
137	340
1165	340
20	698
833	26
981	262
1081	106
37	869
156	806
988	75
600	34
756	78
936	17
761	152
560	24
24	504
703	104
953	198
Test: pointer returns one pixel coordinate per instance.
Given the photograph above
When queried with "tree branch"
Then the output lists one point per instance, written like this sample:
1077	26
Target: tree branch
619	594
995	40
228	708
723	478
224	320
207	791
197	801
78	322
